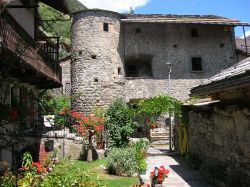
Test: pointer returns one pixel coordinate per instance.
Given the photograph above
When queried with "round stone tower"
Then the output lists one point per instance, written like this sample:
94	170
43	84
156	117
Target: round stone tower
97	71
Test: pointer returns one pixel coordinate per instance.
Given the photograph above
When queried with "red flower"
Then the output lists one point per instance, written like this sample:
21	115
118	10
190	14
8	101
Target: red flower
13	114
160	179
162	174
41	170
36	164
75	115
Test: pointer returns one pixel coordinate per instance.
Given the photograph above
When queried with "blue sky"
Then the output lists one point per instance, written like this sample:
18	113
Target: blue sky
237	9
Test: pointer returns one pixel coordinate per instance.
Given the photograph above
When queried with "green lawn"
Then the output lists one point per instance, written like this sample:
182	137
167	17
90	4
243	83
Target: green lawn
75	167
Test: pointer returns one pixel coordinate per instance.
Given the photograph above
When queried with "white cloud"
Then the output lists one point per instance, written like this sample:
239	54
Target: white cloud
247	34
114	5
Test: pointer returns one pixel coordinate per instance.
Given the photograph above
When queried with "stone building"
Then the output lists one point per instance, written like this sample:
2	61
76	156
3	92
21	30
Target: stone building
28	64
115	55
219	130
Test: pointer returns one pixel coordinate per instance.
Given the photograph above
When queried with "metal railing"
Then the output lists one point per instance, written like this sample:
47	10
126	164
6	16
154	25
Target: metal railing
17	40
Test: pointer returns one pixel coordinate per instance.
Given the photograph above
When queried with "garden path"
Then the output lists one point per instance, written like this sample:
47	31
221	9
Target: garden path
180	175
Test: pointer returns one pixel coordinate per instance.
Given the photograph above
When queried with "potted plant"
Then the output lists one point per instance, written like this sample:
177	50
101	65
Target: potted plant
158	176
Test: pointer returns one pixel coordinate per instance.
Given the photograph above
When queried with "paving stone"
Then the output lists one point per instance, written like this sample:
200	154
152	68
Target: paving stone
180	175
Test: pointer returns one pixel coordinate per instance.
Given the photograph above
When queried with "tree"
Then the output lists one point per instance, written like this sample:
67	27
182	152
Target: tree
88	126
120	123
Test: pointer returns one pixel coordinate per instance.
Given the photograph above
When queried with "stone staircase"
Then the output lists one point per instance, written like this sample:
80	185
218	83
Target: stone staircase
159	136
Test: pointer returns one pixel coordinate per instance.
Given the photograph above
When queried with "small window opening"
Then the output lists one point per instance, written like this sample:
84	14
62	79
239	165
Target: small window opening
138	30
194	33
96	79
67	89
106	27
119	71
196	64
93	56
222	45
80	52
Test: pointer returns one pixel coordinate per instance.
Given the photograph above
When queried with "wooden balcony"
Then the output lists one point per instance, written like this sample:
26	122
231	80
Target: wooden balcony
30	62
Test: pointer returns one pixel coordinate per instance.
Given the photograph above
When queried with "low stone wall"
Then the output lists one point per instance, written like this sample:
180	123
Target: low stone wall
220	137
64	144
62	147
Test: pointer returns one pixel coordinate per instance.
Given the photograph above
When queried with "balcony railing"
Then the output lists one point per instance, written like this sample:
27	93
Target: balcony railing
41	55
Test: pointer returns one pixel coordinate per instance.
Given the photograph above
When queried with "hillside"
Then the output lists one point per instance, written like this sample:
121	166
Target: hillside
75	5
57	24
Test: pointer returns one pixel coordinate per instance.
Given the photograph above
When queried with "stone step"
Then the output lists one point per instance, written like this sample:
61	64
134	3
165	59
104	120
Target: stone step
159	138
159	134
160	142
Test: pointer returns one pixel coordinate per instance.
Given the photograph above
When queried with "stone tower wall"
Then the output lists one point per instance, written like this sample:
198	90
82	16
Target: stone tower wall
97	73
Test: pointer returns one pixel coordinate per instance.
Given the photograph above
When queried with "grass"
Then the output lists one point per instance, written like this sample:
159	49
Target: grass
95	167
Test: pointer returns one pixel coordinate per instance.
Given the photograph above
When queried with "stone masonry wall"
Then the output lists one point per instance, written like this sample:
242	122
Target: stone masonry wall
221	137
72	149
97	61
173	43
66	76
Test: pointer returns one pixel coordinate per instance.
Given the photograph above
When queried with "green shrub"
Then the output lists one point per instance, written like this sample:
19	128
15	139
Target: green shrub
120	124
56	105
7	179
60	177
122	161
141	147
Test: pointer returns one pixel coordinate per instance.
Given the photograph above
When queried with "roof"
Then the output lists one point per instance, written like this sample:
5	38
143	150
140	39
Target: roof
65	59
170	18
236	76
60	5
99	10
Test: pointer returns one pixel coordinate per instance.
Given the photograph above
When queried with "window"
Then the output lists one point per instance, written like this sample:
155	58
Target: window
194	33
197	64
22	95
119	71
93	56
13	102
67	88
106	27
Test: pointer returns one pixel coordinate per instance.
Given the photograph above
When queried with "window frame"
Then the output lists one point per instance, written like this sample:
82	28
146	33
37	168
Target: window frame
201	64
106	27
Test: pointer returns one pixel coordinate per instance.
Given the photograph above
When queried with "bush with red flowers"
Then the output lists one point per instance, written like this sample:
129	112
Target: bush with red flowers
88	125
151	123
158	175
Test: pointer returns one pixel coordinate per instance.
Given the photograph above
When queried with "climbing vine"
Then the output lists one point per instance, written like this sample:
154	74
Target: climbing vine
158	105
